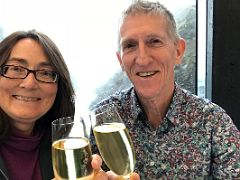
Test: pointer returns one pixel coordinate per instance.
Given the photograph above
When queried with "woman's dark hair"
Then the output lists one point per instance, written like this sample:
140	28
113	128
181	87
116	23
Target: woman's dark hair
64	102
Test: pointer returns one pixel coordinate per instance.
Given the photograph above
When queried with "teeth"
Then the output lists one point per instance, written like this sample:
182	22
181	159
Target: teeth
28	99
143	74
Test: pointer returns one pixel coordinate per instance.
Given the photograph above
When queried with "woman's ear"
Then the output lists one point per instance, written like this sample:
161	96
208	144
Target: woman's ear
181	46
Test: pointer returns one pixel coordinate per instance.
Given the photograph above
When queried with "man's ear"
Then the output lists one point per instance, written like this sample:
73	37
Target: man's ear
181	46
120	59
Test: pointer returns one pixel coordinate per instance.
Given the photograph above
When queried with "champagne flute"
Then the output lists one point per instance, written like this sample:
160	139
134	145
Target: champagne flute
71	152
113	140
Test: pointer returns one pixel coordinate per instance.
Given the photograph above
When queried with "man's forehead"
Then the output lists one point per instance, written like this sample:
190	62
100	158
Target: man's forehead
142	26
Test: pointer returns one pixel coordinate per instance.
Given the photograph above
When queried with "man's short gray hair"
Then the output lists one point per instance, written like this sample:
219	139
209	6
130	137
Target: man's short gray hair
154	8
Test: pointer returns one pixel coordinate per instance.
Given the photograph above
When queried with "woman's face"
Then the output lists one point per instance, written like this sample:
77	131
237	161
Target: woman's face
26	100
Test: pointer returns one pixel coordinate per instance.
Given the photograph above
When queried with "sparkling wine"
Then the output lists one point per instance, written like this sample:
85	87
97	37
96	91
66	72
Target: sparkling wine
115	147
72	159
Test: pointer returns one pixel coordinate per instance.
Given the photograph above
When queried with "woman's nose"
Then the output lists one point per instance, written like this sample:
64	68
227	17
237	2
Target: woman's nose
30	81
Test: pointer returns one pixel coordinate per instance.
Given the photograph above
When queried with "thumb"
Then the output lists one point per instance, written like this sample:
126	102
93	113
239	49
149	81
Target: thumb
135	176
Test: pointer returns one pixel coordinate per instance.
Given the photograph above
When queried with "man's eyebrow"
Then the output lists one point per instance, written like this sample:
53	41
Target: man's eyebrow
126	41
154	36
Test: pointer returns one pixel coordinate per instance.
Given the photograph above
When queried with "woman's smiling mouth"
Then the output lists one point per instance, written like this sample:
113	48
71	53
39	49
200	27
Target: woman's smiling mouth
27	99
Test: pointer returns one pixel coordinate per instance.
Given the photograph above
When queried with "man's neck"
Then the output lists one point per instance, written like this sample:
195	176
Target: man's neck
157	107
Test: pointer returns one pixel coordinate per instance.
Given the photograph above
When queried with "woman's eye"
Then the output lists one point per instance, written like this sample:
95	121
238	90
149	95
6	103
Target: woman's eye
46	73
16	69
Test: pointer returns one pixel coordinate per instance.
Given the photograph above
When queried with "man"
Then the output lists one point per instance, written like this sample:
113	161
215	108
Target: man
176	135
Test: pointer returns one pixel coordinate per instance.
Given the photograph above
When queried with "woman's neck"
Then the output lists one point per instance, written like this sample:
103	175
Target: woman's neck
25	129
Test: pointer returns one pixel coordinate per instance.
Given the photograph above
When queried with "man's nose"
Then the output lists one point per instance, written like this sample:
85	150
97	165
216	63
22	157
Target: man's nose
143	54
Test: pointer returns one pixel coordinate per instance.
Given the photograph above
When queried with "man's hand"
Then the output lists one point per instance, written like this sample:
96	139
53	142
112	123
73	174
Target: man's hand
96	164
99	174
113	176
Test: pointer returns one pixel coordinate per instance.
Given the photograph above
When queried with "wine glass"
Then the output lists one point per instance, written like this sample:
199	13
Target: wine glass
113	140
71	152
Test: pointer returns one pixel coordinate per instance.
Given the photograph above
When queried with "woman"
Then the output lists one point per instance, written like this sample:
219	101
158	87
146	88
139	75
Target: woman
35	89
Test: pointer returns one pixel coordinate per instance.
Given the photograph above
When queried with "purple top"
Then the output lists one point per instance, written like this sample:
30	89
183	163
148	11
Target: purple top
21	156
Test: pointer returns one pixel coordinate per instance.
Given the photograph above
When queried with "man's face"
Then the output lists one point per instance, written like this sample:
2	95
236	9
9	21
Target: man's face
148	54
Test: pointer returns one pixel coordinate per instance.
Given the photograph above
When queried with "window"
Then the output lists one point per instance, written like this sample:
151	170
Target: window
86	34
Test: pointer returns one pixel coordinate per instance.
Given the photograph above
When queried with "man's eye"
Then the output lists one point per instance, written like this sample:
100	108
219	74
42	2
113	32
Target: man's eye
129	46
154	42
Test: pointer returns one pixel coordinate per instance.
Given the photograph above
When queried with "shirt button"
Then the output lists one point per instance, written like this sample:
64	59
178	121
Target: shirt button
152	163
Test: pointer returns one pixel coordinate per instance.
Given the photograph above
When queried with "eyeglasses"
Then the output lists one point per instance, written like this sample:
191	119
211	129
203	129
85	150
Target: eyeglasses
19	72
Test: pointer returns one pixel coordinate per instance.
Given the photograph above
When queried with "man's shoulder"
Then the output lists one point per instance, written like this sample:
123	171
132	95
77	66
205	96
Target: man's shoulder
193	101
118	97
196	111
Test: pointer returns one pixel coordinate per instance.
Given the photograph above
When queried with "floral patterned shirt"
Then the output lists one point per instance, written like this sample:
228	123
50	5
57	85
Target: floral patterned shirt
196	139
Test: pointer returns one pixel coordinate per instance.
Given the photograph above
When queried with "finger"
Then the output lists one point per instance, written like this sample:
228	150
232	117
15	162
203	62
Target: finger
112	176
96	162
135	176
100	175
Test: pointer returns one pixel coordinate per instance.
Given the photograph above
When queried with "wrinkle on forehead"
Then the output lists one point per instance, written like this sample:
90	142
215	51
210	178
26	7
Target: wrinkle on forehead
144	25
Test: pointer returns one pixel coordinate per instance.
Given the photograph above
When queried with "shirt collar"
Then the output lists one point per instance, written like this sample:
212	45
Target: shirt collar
176	105
173	111
135	109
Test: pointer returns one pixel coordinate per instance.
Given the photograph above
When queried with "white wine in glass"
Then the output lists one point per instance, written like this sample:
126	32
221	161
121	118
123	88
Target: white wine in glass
113	140
71	152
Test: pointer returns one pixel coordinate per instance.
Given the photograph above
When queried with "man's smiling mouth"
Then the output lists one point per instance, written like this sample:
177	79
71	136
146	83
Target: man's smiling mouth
146	74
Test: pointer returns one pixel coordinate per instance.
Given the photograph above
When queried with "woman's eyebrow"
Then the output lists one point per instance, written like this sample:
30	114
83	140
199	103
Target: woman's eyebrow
18	60
46	63
25	62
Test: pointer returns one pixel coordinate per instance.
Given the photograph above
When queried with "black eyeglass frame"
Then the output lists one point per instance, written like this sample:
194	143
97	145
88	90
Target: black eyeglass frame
2	70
